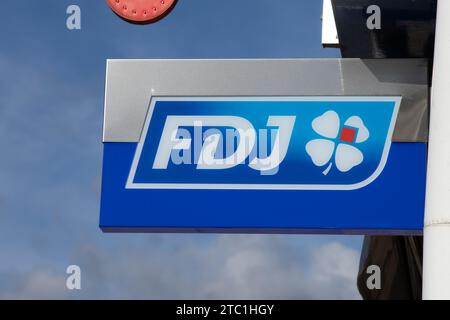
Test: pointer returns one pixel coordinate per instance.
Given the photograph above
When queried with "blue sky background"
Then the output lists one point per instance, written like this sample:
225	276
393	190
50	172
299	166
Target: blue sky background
51	100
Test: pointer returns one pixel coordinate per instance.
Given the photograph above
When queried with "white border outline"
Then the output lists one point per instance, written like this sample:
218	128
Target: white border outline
213	186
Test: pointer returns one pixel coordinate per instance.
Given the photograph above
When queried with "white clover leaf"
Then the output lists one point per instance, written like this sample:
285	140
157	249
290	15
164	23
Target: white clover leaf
338	142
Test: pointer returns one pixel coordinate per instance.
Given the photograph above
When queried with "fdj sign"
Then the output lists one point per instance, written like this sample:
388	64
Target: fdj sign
319	146
328	143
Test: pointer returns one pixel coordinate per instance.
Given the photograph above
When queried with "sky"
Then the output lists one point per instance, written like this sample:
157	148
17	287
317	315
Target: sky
51	109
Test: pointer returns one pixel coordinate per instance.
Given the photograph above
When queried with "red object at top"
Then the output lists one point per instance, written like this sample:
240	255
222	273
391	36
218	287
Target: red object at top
141	11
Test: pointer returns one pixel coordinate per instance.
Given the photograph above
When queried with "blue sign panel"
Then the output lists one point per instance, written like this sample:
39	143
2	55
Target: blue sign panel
279	164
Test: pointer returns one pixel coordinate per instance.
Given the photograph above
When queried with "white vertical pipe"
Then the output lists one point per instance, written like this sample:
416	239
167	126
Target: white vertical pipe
436	257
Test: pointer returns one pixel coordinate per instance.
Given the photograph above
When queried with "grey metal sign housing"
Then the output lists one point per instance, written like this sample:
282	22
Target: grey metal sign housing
131	84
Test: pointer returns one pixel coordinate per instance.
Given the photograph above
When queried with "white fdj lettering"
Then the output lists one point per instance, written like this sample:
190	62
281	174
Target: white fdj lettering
209	153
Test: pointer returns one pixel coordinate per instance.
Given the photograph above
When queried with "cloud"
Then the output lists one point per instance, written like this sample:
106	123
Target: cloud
333	272
35	285
268	269
225	267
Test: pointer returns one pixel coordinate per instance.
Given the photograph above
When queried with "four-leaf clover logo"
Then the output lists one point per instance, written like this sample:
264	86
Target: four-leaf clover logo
338	142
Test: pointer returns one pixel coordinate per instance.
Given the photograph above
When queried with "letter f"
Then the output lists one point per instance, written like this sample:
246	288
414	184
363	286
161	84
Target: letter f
169	142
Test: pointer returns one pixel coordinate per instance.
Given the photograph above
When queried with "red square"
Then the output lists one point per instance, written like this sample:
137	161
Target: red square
348	135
